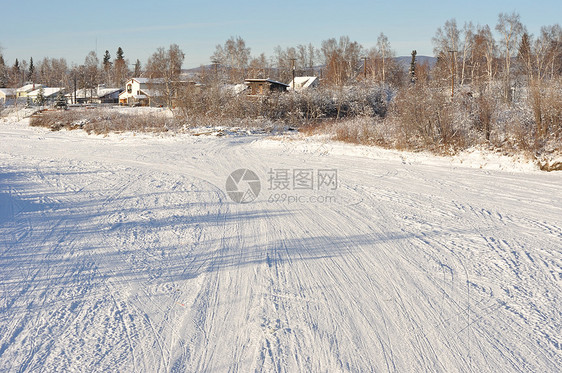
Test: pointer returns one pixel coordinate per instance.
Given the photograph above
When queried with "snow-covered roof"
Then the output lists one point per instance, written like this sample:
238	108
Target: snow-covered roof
265	80
149	80
107	91
8	91
47	92
141	80
29	87
151	92
303	82
89	93
83	93
162	80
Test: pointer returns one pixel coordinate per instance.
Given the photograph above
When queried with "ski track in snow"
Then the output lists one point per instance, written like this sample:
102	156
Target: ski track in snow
125	254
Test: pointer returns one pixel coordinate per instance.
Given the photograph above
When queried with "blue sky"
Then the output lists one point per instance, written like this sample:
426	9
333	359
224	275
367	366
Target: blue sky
71	29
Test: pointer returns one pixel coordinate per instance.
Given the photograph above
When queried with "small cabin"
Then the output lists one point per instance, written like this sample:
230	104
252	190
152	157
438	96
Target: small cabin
259	87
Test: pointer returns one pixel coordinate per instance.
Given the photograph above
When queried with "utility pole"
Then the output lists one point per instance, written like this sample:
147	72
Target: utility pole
293	68
216	63
365	67
453	72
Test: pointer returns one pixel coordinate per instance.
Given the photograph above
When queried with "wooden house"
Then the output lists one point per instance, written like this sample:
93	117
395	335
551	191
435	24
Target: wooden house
259	87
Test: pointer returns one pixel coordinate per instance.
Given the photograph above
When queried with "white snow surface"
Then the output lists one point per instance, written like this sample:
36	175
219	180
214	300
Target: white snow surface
124	253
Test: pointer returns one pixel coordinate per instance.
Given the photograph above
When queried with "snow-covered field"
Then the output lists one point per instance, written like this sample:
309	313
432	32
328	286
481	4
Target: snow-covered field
125	253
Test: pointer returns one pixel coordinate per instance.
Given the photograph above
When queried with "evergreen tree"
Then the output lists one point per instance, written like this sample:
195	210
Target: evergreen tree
120	69
61	101
138	69
525	55
106	60
413	67
107	66
31	72
15	77
16	68
120	54
3	73
41	97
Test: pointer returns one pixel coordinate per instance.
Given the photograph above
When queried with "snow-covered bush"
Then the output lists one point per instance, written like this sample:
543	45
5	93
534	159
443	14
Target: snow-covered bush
295	108
103	121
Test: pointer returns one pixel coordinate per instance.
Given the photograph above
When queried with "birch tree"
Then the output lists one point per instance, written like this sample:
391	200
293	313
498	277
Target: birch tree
164	68
510	28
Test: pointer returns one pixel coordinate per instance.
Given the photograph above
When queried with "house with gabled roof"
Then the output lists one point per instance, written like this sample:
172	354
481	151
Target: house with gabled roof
49	94
26	89
99	95
259	87
153	91
141	91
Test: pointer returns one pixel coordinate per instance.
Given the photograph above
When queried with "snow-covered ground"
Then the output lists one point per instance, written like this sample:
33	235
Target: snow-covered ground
125	253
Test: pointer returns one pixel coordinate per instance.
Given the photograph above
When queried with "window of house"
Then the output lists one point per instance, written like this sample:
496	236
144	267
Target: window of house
129	88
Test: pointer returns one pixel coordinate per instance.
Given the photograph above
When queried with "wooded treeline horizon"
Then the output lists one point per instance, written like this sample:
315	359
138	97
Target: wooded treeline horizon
471	53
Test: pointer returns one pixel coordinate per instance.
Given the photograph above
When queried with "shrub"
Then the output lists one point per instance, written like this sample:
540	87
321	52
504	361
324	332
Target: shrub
103	121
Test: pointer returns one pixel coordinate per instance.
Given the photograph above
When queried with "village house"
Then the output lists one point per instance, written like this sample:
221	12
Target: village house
142	91
153	92
99	95
259	87
7	95
26	89
49	94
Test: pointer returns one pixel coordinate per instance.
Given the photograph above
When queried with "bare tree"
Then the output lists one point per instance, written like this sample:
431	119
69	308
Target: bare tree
383	46
282	61
548	51
342	59
445	46
259	67
467	48
164	68
306	56
91	72
490	50
235	56
510	28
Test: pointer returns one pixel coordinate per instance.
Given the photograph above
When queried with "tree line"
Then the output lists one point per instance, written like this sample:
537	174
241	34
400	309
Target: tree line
469	54
56	72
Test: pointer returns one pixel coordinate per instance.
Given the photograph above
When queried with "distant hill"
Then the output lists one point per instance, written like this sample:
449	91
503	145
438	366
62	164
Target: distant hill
405	60
402	60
